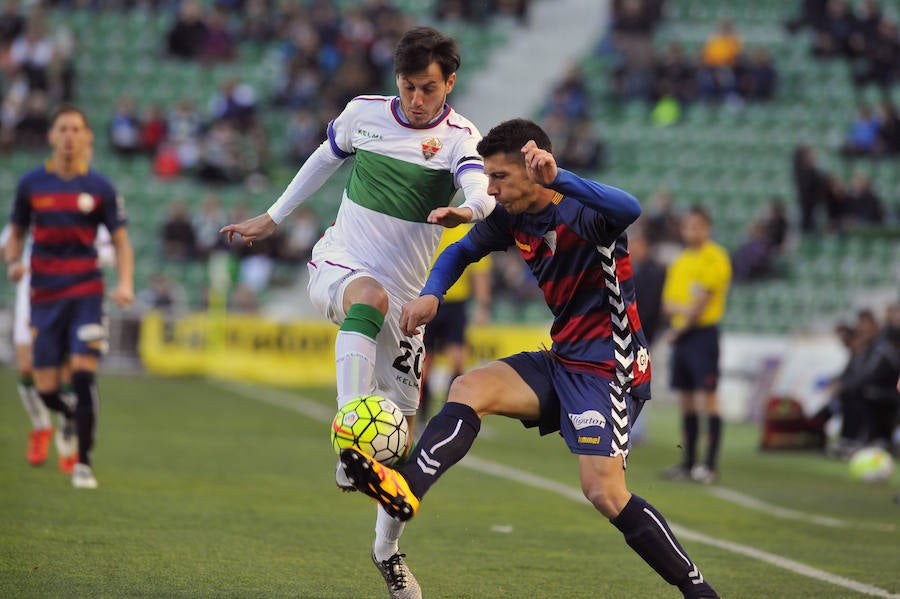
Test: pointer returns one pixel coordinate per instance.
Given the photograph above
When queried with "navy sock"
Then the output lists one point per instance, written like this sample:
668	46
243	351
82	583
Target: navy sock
445	440
714	435
690	427
53	402
83	384
648	533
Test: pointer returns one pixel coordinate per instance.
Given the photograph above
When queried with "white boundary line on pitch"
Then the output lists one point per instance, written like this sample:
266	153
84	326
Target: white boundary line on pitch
317	411
750	502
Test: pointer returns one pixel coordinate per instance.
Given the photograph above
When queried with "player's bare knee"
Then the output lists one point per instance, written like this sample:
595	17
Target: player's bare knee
472	390
605	500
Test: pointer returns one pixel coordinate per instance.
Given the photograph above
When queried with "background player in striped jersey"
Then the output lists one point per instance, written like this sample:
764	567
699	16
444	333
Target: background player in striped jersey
62	203
411	153
41	426
590	385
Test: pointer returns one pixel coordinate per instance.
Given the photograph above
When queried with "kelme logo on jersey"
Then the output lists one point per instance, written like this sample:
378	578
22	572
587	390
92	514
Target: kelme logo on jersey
587	419
430	147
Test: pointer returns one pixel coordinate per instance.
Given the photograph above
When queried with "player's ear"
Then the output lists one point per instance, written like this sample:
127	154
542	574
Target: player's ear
451	80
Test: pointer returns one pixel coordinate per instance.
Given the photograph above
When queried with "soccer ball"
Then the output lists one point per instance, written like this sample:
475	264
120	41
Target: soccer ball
372	424
871	465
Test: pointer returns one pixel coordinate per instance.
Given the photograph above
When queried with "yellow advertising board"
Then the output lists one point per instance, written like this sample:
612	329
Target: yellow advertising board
294	353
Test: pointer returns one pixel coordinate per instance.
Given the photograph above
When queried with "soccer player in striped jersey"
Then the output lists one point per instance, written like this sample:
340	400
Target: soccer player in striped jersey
41	426
62	203
589	386
411	153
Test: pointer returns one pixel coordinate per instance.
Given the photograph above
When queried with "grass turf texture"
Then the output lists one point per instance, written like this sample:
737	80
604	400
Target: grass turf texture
206	493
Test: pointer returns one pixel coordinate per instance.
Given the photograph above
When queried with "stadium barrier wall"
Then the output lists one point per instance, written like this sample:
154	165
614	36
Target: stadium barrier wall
295	353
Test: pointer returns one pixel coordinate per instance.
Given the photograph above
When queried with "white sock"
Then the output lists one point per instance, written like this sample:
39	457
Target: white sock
34	405
387	535
355	359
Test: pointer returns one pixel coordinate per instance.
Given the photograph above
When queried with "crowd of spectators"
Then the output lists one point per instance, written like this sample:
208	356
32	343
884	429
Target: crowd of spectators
723	69
824	196
481	11
37	71
861	34
873	133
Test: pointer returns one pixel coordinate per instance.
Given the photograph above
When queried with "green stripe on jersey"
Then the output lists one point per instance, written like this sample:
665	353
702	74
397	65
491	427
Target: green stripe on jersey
398	188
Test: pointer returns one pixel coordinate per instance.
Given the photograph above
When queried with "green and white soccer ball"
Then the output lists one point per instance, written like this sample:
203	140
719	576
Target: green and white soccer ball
871	465
373	425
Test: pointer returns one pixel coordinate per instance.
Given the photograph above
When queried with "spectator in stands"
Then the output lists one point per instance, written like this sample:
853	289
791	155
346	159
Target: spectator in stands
570	97
32	52
719	58
12	22
675	73
862	134
234	102
753	258
187	37
756	76
811	186
220	155
661	222
162	294
832	38
184	132
206	223
300	237
258	23
219	44
177	234
583	149
125	128
153	128
243	300
880	59
632	40
813	14
837	207
776	224
304	134
864	206
888	143
31	131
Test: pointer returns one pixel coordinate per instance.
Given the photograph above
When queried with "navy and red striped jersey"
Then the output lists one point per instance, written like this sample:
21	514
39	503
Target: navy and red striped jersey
63	215
577	249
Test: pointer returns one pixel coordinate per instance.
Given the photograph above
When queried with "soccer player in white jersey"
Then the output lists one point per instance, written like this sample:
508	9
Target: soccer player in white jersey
41	425
412	152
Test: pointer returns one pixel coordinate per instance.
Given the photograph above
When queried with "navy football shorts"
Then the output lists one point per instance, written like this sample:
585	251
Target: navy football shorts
695	360
65	327
577	404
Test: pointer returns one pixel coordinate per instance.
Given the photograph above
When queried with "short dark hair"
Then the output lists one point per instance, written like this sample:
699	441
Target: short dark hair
68	109
421	46
509	136
701	211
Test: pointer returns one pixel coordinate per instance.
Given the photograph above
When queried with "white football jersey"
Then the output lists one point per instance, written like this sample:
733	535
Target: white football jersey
400	174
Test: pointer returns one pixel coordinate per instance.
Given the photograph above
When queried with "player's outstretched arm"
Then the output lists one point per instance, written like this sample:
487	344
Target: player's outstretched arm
12	253
252	229
418	312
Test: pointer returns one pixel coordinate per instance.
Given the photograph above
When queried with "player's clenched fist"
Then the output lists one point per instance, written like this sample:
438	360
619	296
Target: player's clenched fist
539	164
418	312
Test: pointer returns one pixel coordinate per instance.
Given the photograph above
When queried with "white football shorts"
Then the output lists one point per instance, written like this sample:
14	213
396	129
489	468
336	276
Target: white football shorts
398	358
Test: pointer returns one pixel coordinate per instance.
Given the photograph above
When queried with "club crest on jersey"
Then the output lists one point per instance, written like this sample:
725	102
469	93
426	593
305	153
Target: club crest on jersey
643	359
430	147
86	202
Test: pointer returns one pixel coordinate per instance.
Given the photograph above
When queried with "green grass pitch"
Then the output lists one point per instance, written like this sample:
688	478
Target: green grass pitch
221	490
